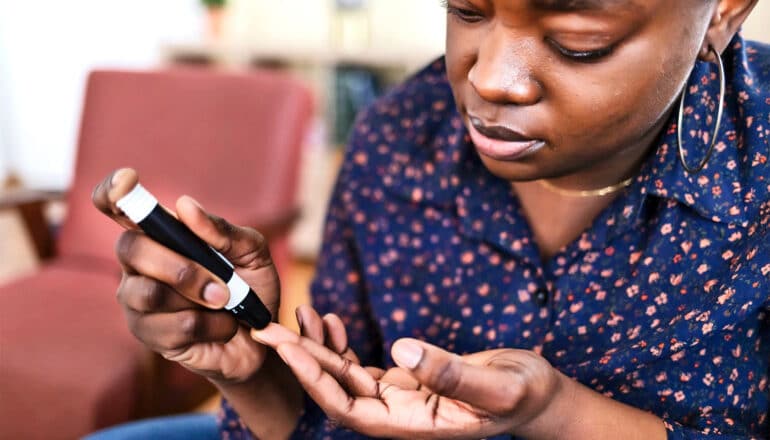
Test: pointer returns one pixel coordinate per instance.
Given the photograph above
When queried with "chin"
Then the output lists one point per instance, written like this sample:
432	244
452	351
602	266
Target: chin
521	170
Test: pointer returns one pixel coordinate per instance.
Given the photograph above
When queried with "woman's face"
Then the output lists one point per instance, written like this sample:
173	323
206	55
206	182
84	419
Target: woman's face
577	89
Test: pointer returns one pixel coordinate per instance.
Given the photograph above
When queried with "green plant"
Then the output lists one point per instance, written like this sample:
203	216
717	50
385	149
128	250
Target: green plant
214	3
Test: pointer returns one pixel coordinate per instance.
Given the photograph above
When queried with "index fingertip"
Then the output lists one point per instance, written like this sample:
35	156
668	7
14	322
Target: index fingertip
121	182
120	174
185	199
267	335
189	208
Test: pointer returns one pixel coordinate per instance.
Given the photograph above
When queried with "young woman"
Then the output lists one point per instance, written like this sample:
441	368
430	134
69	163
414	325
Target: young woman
532	237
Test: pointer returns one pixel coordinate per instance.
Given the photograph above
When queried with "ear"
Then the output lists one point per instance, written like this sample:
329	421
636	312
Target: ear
727	18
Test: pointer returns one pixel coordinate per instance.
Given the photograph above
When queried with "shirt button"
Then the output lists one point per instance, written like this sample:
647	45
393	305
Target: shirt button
541	297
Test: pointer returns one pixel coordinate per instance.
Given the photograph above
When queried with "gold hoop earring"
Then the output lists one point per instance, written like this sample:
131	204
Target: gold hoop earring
718	123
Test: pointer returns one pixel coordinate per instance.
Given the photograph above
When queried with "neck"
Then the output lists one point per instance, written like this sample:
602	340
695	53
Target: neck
556	220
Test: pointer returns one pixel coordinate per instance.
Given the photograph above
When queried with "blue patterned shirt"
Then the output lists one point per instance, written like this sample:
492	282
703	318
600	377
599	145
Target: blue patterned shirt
663	303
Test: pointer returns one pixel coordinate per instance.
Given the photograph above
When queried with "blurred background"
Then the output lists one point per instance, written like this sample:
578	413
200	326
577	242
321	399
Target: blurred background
347	52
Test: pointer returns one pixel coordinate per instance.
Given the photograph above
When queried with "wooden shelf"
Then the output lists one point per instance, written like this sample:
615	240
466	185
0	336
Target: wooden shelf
244	56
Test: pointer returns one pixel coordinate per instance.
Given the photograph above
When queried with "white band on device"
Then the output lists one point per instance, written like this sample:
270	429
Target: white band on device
137	204
238	291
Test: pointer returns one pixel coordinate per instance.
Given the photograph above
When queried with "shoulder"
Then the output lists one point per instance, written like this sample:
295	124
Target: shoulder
748	94
741	160
757	56
745	174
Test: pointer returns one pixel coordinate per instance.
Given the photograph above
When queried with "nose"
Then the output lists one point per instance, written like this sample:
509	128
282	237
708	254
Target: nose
502	73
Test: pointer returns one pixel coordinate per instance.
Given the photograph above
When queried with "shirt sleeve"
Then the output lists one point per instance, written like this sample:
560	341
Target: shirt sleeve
231	427
677	431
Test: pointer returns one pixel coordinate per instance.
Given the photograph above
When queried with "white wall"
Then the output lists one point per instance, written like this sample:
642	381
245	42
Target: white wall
283	23
418	25
46	49
758	25
3	152
5	109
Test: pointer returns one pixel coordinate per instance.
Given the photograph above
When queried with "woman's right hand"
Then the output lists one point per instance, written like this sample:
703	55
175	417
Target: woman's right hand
174	305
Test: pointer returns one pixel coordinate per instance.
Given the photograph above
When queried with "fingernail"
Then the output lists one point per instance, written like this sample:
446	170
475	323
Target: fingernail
117	175
215	295
407	354
195	202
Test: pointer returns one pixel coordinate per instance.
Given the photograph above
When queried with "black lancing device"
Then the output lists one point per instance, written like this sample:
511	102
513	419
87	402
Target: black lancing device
143	208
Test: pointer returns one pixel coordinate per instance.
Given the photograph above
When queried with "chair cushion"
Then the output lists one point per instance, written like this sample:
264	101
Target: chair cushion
67	361
231	140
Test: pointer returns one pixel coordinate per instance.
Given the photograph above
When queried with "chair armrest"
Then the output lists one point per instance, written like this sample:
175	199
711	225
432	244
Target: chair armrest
31	206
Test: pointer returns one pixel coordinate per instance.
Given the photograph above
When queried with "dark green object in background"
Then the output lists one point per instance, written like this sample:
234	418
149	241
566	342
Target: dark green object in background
214	3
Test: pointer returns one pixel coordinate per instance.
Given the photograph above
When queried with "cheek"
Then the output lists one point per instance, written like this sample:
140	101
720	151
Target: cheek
620	105
460	57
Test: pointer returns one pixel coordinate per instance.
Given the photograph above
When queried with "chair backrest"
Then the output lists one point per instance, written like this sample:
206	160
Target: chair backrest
231	140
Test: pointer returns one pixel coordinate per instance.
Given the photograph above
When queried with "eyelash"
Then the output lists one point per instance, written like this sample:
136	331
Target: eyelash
465	15
586	57
583	56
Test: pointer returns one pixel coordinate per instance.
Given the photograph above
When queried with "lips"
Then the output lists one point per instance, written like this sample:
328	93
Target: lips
497	132
501	143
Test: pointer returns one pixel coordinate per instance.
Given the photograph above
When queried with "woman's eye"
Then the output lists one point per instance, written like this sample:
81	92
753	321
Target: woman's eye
582	56
463	14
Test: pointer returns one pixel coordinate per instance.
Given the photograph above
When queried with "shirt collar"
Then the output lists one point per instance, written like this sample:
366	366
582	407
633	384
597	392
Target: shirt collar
725	191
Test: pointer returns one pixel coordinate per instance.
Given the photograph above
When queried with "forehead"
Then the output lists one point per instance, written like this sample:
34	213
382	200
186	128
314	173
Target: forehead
582	5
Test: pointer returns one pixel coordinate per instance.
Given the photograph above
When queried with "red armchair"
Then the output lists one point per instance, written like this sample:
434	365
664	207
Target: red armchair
68	364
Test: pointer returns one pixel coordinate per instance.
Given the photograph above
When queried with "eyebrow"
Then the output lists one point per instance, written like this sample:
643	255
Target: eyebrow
579	5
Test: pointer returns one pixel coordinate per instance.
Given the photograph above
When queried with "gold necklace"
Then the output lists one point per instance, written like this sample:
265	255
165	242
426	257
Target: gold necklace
600	192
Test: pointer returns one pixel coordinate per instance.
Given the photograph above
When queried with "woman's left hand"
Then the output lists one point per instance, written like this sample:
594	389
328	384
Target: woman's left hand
432	394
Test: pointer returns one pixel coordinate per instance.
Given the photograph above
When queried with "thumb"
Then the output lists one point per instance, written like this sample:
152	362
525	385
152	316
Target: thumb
492	389
244	247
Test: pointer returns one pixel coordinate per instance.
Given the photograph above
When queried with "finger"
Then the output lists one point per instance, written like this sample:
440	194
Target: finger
164	332
329	331
144	295
244	247
138	253
336	335
275	334
496	390
401	378
110	190
408	415
483	357
323	388
349	374
375	372
310	324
